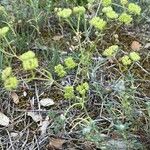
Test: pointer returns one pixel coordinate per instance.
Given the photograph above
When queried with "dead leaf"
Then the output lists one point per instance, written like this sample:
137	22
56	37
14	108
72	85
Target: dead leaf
24	93
15	97
46	102
147	45
4	120
35	116
136	45
57	37
56	144
44	125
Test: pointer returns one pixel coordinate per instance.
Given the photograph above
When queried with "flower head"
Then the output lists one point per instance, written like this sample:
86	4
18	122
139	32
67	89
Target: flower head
2	8
125	18
30	64
3	31
106	2
29	60
69	62
7	72
69	92
83	88
134	9
11	83
110	51
134	56
123	2
64	13
112	14
107	9
126	60
98	23
27	55
59	69
79	10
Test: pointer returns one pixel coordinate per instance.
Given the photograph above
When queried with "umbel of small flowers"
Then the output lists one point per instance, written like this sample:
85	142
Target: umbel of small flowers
4	31
133	57
69	92
59	69
134	8
83	88
123	2
110	13
29	61
98	23
10	81
110	51
64	13
70	63
79	10
125	18
106	2
126	60
2	8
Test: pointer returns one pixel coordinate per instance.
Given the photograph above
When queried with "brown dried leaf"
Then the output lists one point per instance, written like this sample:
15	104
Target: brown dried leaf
15	97
55	144
136	45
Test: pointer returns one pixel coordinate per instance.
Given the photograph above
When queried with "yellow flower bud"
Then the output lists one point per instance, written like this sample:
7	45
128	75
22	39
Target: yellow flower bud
6	73
134	56
126	60
30	64
65	13
3	31
11	83
27	55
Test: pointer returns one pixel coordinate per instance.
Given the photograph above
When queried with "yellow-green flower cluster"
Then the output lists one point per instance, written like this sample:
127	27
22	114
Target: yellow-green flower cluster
110	13
69	62
29	60
6	73
69	92
127	60
134	8
3	31
107	9
125	18
10	81
134	56
79	10
59	69
98	23
123	2
106	2
64	13
110	51
2	8
83	88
